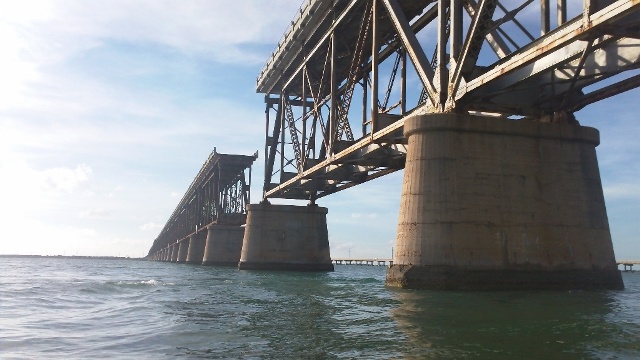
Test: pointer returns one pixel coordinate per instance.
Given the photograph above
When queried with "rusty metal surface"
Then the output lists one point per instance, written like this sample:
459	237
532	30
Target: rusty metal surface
348	72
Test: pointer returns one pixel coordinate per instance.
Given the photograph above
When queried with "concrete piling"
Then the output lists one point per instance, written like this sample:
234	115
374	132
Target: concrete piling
174	252
286	237
492	203
223	245
183	248
195	253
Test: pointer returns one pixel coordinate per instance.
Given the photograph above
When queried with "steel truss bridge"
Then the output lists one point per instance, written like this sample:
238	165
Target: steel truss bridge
219	195
348	72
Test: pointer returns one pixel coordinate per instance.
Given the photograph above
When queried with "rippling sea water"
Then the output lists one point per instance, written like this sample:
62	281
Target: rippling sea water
58	308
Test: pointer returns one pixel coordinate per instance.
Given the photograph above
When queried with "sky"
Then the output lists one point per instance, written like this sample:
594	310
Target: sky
108	109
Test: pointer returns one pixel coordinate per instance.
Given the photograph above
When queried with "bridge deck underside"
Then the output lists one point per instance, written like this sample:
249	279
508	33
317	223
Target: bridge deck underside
332	46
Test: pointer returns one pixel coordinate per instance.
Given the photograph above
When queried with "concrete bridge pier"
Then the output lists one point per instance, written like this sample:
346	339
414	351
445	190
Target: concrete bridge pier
183	248
174	252
166	254
490	203
223	245
195	253
286	237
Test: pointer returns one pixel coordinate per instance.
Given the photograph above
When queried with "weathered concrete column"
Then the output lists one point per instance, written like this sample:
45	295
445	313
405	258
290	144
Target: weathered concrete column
223	245
174	252
286	237
492	203
183	248
196	248
167	254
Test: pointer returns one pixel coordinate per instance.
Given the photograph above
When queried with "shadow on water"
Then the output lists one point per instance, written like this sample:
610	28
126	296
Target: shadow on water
518	325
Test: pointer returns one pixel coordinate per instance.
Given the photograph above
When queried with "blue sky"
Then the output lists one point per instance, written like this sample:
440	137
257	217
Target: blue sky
109	108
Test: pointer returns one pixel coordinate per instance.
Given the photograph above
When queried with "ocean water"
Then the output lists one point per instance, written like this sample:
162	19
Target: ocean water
54	308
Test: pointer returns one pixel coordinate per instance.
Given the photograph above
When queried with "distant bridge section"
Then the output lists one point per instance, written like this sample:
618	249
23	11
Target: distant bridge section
218	195
347	73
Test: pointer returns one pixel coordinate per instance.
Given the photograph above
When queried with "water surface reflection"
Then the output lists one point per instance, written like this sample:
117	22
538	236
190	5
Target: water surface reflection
509	325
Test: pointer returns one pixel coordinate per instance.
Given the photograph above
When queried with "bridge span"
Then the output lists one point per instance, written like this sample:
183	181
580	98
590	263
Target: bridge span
205	228
475	100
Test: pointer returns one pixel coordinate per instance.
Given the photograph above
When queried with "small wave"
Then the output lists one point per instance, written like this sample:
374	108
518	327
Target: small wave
150	282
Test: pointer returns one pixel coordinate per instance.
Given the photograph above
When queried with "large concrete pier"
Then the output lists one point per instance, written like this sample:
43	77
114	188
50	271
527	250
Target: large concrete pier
286	237
493	203
224	244
196	248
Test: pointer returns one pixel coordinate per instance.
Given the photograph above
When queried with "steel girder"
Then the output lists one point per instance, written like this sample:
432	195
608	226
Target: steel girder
327	76
218	194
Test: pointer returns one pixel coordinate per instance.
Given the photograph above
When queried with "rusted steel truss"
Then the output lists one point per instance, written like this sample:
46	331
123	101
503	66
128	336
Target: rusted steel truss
348	65
219	194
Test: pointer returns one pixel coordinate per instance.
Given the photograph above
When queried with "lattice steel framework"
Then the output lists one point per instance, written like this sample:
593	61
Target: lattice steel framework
362	64
219	194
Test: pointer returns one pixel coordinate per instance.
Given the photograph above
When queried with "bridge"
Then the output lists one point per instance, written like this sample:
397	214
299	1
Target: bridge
205	227
371	262
475	100
628	264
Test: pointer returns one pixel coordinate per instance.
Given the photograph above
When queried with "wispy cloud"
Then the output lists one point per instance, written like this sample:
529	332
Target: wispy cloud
65	179
95	214
150	226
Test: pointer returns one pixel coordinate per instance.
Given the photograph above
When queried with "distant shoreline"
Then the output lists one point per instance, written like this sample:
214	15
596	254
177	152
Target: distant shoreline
71	257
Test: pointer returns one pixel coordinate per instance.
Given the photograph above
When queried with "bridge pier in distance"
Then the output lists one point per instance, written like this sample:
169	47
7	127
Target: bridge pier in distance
174	252
286	237
195	253
223	245
183	248
497	204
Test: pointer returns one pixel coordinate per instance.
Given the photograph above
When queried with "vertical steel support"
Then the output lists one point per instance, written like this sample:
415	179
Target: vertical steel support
304	118
375	43
267	169
219	208
365	108
455	45
272	147
403	82
282	125
545	17
441	71
248	190
333	113
586	11
562	12
455	30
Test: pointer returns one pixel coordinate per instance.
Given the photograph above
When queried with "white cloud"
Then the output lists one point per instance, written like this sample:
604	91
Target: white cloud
65	179
150	226
221	29
95	214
